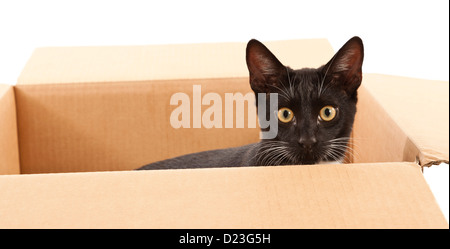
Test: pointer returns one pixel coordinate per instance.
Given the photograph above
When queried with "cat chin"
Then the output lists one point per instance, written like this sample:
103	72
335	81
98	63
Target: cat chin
329	162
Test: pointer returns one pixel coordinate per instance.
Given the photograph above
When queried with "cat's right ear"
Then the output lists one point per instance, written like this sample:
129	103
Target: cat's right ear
345	68
264	68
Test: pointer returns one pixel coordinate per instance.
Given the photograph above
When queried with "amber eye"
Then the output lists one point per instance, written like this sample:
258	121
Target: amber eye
327	113
285	115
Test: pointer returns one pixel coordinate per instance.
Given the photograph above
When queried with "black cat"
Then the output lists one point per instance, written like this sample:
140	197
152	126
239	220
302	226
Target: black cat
315	115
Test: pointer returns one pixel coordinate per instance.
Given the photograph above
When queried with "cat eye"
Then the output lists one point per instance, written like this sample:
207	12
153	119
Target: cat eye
327	113
285	115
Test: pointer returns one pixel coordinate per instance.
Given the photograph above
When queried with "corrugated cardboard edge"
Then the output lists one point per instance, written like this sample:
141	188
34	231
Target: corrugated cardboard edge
9	148
425	121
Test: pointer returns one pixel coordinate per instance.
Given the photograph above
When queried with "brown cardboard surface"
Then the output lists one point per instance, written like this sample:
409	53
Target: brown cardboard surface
115	126
158	62
390	195
9	153
421	110
376	136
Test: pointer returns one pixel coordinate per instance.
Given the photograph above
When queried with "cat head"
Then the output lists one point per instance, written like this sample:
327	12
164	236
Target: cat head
316	107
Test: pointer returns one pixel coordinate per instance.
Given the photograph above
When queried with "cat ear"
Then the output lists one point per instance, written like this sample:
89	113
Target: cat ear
345	67
264	68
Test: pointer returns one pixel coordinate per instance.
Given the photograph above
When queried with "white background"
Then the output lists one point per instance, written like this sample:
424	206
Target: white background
406	38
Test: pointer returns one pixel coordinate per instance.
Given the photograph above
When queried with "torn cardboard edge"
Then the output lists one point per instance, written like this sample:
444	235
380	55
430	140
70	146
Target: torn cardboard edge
385	127
420	107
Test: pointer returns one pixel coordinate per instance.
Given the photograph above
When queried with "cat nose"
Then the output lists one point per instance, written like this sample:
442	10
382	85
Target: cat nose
307	142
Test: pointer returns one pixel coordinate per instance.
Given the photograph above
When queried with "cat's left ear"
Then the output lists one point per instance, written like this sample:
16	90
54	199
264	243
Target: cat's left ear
345	68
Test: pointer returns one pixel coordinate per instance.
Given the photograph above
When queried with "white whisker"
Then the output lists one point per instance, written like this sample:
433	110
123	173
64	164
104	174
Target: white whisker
290	83
272	153
284	93
325	76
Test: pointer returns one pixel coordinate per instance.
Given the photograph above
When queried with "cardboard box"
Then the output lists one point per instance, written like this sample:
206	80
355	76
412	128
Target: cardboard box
81	119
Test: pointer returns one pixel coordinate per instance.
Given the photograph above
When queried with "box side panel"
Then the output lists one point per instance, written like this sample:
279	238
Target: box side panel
327	196
9	151
159	62
123	126
376	137
421	110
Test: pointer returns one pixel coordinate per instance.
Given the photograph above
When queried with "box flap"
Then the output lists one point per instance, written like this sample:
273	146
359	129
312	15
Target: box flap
158	62
391	195
9	150
376	136
421	110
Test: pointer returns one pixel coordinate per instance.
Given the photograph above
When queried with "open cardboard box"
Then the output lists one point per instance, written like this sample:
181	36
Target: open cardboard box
105	111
